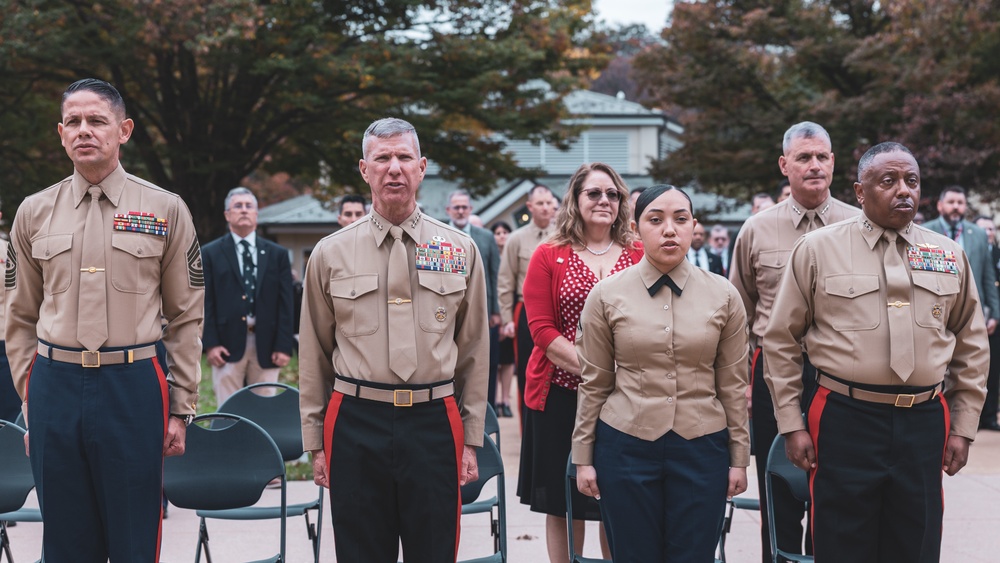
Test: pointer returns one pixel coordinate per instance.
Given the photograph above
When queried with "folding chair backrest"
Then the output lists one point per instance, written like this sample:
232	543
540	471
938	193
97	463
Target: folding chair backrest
225	466
277	414
492	423
780	467
16	480
490	465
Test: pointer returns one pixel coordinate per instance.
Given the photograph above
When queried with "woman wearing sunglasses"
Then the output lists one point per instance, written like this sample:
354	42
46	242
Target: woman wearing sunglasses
592	241
661	434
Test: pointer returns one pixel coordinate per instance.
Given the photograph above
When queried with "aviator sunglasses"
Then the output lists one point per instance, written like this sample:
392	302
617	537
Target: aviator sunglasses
595	194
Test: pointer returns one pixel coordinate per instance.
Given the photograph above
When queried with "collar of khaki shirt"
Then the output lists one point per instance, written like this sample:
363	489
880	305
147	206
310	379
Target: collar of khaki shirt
872	232
113	186
798	211
380	225
650	273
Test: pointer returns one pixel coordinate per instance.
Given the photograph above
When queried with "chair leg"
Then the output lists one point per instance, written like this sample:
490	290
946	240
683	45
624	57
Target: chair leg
5	543
203	543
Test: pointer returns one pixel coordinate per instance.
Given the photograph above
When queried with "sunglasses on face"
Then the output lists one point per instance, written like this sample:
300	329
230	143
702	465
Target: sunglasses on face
595	195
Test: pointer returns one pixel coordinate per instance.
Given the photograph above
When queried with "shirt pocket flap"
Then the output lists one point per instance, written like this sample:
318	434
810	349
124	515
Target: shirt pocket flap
851	285
939	284
138	245
442	283
47	247
774	258
352	287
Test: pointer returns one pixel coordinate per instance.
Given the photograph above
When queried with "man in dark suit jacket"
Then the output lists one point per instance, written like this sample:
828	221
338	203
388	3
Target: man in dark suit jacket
459	209
988	418
699	255
248	302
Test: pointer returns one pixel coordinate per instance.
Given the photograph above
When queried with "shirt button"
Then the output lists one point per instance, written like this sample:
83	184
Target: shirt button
138	251
670	400
670	375
665	307
666	329
353	293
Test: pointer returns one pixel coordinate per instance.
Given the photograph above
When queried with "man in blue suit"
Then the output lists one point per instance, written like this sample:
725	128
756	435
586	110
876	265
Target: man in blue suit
248	301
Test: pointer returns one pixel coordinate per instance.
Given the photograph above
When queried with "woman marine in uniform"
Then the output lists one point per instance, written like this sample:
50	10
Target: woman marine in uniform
661	434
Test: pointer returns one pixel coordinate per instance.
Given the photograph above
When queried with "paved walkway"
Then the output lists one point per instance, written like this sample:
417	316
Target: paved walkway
971	523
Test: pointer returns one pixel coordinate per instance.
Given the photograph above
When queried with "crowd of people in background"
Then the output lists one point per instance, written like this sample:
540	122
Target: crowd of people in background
641	340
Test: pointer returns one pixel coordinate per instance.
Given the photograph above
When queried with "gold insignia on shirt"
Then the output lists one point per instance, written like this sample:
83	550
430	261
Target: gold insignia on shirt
441	314
936	310
926	245
867	226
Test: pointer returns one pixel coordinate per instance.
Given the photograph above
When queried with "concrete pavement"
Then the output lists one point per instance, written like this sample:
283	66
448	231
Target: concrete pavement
971	522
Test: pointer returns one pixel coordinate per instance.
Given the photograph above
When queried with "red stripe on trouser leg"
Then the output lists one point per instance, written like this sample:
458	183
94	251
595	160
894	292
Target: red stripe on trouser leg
165	395
332	409
458	434
753	363
947	433
815	415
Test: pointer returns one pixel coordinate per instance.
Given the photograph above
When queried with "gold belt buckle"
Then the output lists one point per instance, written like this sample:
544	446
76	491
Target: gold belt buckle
95	359
905	401
407	394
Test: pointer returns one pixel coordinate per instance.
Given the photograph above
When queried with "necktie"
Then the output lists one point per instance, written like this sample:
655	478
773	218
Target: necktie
92	324
811	222
954	232
249	280
900	320
402	342
664	281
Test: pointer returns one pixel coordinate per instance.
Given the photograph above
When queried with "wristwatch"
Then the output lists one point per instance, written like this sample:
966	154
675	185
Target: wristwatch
187	418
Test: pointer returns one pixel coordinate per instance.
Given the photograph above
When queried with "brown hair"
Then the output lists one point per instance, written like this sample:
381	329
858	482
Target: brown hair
569	223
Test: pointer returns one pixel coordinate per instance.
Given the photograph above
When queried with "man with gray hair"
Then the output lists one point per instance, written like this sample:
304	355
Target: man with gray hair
249	310
393	365
759	258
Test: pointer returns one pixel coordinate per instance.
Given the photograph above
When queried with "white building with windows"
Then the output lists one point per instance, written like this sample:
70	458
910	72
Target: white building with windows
620	133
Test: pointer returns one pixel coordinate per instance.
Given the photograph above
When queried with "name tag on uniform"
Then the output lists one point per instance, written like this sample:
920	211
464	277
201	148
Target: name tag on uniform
931	258
439	255
141	222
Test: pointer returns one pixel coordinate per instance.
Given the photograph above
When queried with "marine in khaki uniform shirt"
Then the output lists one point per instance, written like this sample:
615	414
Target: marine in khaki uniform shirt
10	402
99	418
662	409
897	335
760	255
394	434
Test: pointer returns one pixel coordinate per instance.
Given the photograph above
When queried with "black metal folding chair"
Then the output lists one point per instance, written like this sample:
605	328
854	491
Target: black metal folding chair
779	467
574	557
16	483
490	466
727	522
226	465
278	415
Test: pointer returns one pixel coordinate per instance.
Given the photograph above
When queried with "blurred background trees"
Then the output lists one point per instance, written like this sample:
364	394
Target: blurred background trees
223	90
738	73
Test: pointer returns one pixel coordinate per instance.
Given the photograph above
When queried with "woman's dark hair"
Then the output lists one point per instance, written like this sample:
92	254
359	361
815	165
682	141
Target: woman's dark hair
499	224
654	192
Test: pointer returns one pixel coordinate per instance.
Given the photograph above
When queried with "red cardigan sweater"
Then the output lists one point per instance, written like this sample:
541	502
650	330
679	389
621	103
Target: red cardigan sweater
544	277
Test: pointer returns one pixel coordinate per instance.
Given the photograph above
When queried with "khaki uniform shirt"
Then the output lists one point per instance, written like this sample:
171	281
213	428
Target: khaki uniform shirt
146	274
833	298
762	248
666	362
3	290
345	316
521	244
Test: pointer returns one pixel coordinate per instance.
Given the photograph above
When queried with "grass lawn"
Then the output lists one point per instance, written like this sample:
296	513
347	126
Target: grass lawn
295	471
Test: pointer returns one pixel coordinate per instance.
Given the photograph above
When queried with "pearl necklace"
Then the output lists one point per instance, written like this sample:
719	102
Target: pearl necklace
599	252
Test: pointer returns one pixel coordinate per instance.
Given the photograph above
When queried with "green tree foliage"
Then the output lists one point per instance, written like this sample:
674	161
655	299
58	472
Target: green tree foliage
222	89
738	73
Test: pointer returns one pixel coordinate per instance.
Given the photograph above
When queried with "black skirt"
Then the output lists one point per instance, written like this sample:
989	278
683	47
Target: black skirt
545	448
506	352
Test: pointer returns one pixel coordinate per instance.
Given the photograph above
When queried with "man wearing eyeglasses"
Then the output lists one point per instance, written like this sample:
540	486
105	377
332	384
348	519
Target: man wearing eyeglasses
249	309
